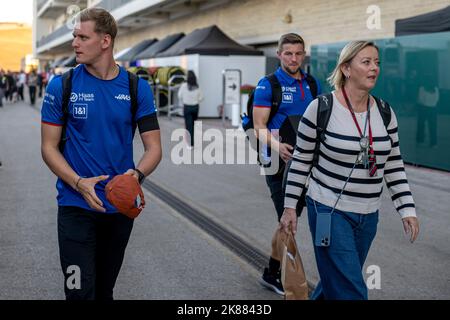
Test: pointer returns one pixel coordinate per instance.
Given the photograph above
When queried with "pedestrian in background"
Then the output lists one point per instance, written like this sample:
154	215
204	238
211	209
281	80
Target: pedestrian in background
21	81
190	96
2	86
32	83
40	83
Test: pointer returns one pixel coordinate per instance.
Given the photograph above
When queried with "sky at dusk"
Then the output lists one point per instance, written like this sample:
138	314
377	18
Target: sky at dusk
16	11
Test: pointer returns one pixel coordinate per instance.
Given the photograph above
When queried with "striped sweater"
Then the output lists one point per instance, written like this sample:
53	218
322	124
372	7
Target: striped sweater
337	156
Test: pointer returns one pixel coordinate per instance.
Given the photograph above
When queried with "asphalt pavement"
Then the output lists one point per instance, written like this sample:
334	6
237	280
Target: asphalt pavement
169	257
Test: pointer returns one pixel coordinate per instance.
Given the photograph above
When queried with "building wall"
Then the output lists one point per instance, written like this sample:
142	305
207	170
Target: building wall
318	21
15	41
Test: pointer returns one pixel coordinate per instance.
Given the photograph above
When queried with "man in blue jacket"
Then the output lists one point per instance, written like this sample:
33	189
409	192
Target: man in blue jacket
298	89
100	127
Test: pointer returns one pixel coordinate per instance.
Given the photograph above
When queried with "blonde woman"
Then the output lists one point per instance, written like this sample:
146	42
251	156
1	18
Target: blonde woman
345	185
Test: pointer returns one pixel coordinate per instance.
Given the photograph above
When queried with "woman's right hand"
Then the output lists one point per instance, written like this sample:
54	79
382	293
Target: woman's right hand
285	151
289	220
411	226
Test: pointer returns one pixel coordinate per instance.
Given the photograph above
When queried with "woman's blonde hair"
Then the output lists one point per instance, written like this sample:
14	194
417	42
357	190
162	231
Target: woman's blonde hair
351	49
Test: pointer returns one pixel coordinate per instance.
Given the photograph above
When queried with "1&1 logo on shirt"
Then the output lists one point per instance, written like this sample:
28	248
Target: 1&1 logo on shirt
288	97
80	110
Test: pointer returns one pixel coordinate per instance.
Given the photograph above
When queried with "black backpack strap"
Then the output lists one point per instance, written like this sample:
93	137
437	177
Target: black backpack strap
323	117
133	84
66	79
385	110
312	85
276	94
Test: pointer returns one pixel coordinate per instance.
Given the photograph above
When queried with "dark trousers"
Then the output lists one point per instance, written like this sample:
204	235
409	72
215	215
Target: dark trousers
10	93
20	92
427	115
190	115
275	184
277	187
94	244
32	90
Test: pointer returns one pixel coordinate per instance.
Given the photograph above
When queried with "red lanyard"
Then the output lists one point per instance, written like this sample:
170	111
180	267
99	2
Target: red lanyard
356	122
301	87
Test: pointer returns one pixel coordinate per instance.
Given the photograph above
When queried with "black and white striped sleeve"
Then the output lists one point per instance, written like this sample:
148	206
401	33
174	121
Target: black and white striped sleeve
302	157
395	175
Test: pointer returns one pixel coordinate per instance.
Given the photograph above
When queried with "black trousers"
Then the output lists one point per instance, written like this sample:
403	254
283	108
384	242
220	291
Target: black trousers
92	244
275	184
20	92
32	90
277	187
190	115
427	115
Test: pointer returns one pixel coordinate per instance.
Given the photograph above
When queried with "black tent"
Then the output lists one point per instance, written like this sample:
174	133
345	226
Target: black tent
436	21
130	55
208	41
159	46
58	62
69	62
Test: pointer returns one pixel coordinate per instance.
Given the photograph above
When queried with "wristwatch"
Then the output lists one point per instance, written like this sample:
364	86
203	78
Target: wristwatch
141	176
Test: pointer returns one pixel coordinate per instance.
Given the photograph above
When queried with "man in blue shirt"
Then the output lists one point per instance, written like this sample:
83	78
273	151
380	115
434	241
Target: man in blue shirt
100	127
295	97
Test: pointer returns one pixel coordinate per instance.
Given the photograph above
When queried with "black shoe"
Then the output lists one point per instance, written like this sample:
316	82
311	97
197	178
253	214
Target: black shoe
272	281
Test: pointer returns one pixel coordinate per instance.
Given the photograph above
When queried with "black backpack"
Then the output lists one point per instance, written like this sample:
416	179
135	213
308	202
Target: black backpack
247	118
67	91
323	117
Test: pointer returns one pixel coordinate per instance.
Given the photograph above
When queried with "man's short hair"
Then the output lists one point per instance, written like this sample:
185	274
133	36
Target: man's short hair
104	21
291	38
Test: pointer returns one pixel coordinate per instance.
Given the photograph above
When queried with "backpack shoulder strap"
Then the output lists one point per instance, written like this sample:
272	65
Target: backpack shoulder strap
66	79
133	87
312	85
276	94
324	112
385	110
67	90
323	117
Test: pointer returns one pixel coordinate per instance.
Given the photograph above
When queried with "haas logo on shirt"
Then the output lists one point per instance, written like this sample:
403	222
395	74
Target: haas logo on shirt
122	97
73	97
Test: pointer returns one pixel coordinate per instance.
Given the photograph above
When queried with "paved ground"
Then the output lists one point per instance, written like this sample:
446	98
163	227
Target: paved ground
169	258
236	195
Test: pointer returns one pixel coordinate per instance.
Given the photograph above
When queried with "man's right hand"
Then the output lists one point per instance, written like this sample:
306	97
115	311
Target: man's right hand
86	187
285	151
289	220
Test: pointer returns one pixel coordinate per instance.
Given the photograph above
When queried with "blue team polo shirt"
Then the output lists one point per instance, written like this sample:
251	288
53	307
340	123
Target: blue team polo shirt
99	128
294	99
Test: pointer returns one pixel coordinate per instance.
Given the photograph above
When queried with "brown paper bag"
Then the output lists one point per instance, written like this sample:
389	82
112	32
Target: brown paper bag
293	278
278	240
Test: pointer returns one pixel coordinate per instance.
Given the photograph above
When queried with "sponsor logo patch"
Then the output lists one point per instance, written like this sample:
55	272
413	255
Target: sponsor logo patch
123	97
80	110
287	97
